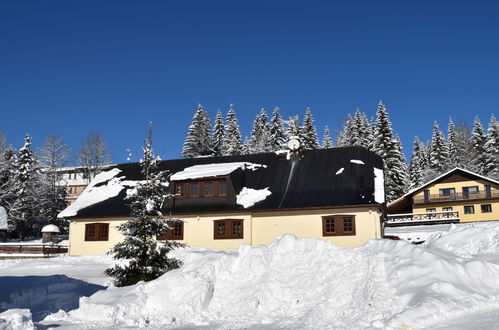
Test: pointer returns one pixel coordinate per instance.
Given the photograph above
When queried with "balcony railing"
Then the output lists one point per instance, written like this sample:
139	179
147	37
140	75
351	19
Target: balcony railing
408	218
459	196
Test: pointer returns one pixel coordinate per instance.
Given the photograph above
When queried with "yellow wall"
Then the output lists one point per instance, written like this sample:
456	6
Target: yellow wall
459	205
259	228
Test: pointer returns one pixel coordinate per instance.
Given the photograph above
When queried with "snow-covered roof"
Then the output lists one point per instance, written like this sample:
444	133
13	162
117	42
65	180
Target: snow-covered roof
412	191
212	170
50	229
3	218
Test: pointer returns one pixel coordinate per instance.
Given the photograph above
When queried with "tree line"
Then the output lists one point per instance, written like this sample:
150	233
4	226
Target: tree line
32	187
477	150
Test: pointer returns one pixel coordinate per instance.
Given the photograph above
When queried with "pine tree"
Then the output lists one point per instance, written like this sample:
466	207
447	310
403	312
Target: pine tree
246	146
260	134
277	134
345	135
390	150
463	146
360	129
370	135
218	133
478	147
146	259
293	129
326	140
417	164
491	166
7	178
25	214
452	145
438	152
198	140
309	132
231	141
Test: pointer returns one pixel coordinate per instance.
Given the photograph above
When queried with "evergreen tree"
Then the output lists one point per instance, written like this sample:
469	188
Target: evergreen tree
438	152
25	214
260	134
360	129
293	129
478	147
218	133
231	141
326	140
7	178
417	165
198	141
246	146
277	134
491	166
390	150
146	259
370	136
345	135
463	145
309	132
452	145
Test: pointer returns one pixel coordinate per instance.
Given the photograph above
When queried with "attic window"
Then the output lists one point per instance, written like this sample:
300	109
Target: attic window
201	188
228	229
338	225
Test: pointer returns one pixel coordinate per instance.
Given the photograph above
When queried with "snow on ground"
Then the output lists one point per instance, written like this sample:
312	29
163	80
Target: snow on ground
450	282
248	197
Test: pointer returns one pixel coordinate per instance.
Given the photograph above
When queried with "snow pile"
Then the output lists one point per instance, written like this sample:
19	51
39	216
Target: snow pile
104	186
213	170
248	197
291	283
16	319
3	218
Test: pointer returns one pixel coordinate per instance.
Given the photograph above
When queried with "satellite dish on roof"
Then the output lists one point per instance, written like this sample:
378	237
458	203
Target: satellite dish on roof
294	143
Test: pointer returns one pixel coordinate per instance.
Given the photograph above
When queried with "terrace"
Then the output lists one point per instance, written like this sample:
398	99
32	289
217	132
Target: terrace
424	218
458	196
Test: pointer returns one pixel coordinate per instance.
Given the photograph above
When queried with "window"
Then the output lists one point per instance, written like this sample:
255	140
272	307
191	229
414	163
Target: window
467	191
447	192
222	188
446	209
469	209
176	233
97	232
194	189
228	229
208	189
486	208
431	210
338	225
180	189
487	190
426	195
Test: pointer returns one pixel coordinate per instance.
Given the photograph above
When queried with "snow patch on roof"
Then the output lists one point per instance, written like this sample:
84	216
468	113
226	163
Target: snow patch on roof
213	170
249	197
3	218
340	171
379	186
104	186
356	161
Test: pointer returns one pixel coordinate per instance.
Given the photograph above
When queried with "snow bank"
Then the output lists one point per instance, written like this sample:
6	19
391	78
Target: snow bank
248	197
104	186
212	170
16	319
3	218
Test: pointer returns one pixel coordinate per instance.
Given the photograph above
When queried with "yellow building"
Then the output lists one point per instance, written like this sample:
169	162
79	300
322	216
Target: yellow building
224	202
456	196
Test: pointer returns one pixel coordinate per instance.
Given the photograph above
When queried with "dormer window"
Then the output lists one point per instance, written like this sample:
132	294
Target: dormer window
201	188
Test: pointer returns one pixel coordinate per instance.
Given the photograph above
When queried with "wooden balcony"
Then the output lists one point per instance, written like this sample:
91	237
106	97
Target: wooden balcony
425	218
459	196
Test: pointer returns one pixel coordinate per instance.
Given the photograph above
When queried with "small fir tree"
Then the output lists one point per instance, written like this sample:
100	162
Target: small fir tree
198	141
146	259
231	141
309	132
277	134
326	140
218	133
478	147
417	164
293	129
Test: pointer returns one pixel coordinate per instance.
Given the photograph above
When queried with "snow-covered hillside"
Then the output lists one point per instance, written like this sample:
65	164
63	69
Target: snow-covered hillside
450	282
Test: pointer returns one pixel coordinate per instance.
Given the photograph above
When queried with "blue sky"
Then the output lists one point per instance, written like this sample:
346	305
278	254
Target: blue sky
75	67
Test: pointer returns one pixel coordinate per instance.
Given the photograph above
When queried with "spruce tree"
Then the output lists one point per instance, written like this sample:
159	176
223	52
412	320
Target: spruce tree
218	133
7	178
478	147
417	165
260	134
438	152
293	129
360	129
145	258
231	141
277	134
198	141
463	146
345	135
491	166
452	160
326	140
309	132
